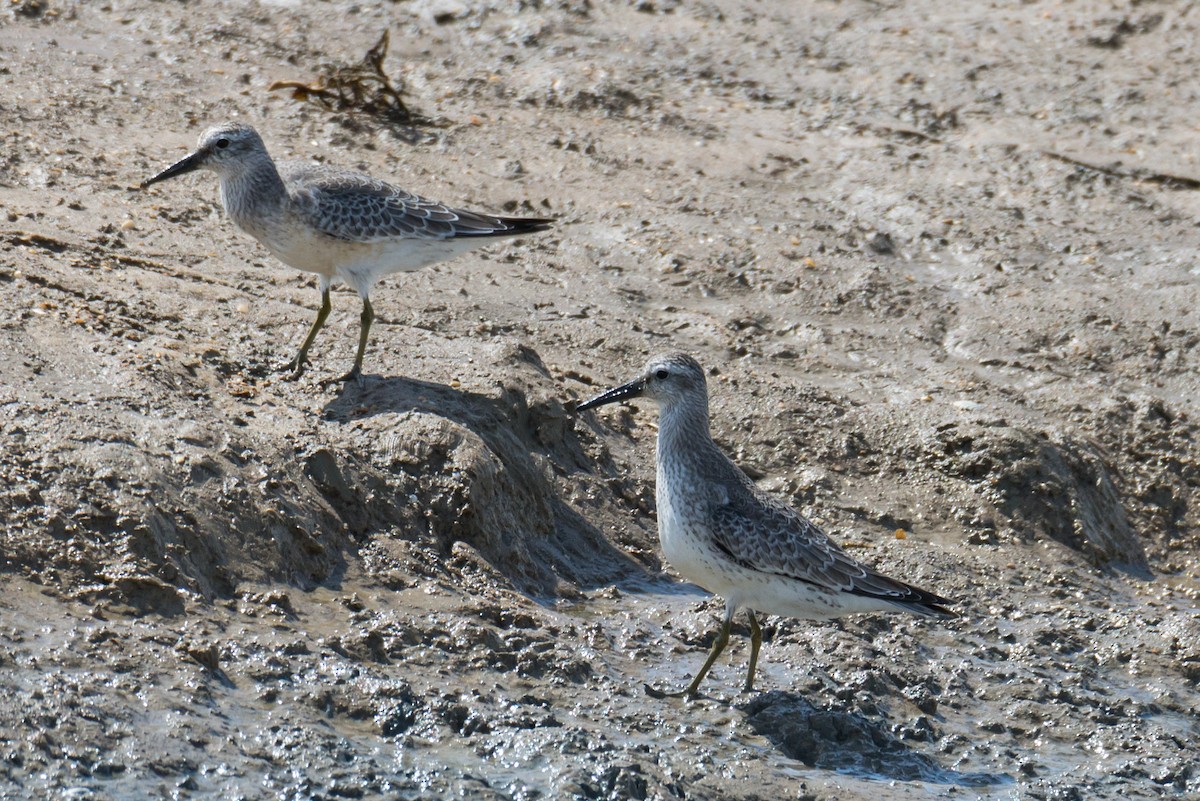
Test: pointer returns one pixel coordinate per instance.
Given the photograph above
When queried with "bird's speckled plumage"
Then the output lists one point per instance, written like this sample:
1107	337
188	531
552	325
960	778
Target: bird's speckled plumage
339	224
721	531
358	208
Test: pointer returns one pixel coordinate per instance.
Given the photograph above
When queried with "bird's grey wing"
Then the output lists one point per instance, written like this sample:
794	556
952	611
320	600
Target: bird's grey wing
760	533
355	207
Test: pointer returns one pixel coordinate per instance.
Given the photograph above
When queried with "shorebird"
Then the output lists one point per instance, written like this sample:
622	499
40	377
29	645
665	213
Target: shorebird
336	223
722	532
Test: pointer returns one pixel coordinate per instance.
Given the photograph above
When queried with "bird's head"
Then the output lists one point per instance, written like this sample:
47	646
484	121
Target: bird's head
225	149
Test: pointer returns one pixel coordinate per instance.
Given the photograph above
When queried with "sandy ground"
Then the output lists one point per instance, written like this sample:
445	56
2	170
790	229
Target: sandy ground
939	258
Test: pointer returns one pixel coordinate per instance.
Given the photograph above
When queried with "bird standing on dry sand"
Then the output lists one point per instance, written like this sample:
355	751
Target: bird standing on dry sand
722	532
335	223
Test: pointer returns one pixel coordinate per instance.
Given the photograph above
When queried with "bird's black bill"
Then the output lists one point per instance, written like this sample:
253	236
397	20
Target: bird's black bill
180	167
631	390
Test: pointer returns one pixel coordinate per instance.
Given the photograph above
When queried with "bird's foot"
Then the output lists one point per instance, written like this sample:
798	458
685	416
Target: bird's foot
355	375
294	369
654	692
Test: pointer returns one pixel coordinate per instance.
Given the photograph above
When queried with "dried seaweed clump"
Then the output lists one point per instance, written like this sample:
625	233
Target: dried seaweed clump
363	87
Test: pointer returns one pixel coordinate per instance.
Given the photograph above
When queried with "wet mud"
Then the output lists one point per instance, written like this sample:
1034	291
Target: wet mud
939	259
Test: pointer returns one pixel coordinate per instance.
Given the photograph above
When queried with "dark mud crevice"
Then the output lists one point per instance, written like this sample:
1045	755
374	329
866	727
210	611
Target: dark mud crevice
453	466
830	739
1044	486
149	527
1157	442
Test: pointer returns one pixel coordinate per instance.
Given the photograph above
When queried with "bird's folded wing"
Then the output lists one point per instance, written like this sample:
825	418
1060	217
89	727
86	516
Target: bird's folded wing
358	208
772	538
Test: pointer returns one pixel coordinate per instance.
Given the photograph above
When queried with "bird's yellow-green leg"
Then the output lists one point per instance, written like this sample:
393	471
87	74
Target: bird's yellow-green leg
717	647
364	330
755	644
296	365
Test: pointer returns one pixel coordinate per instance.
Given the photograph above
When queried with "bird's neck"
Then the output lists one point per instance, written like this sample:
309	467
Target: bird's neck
249	196
683	428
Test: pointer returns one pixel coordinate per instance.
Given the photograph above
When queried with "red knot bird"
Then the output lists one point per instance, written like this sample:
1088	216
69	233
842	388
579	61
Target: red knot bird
722	532
336	223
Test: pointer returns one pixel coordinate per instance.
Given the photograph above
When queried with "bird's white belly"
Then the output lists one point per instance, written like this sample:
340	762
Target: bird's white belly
359	264
312	252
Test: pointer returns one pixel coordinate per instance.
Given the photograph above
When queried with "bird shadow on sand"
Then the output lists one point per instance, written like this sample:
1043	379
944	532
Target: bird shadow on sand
844	742
488	470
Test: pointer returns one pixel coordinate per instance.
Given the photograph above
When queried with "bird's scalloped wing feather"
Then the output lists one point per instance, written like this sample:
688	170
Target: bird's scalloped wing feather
765	535
355	207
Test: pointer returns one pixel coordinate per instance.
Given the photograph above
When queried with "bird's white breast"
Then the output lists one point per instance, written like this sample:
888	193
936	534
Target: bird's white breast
681	531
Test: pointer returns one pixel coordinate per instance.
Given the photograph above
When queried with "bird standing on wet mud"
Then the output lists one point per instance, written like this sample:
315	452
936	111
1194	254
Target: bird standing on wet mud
336	223
722	532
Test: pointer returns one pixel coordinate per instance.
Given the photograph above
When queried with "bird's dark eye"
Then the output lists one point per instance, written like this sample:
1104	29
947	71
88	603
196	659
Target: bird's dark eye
661	374
222	143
